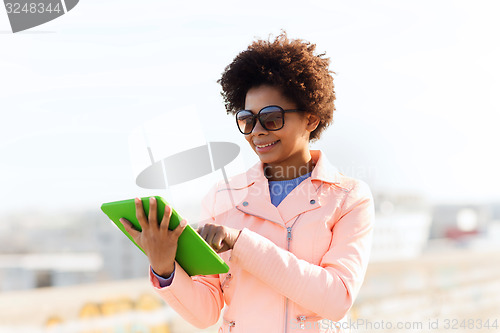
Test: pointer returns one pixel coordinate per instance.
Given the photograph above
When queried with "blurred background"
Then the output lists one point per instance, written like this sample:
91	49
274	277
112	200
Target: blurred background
417	117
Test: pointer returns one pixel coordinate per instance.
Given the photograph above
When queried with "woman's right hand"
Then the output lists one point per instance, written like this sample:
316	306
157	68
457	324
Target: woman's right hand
159	243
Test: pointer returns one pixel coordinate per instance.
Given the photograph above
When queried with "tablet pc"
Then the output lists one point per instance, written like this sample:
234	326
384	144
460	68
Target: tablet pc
194	254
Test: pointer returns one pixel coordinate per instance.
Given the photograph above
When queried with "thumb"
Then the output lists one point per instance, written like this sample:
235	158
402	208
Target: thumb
130	228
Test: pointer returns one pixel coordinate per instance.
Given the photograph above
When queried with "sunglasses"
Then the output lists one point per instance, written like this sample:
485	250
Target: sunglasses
272	118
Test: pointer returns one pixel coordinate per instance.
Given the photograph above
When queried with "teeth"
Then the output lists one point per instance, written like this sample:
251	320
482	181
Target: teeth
267	144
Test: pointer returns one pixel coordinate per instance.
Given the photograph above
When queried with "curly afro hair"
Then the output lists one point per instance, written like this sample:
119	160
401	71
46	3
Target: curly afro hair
291	66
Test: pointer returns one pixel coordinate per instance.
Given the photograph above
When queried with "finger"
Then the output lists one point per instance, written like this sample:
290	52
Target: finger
223	248
211	237
165	221
179	229
129	227
153	218
203	231
139	213
218	239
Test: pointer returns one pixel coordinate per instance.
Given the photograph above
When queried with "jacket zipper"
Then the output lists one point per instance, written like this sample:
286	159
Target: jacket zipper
225	283
302	319
289	239
231	324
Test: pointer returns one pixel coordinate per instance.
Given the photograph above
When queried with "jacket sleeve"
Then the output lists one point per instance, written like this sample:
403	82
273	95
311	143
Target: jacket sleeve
197	299
328	289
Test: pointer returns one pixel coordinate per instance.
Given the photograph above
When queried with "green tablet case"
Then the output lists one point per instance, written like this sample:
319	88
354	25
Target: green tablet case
194	254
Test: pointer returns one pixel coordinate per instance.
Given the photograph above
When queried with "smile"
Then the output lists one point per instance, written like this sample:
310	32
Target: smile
267	145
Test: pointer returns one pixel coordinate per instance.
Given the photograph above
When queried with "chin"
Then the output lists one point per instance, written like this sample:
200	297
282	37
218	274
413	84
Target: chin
268	158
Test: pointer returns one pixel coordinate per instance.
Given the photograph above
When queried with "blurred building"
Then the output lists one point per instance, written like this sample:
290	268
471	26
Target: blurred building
26	271
65	249
456	221
401	230
466	224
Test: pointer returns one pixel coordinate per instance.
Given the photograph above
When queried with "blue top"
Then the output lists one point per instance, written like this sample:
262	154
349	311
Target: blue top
278	190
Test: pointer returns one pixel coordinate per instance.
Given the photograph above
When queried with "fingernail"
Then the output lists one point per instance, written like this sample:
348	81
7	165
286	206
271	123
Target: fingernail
183	223
137	200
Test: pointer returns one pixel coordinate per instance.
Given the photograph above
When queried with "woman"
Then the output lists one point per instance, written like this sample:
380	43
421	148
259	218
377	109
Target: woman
295	232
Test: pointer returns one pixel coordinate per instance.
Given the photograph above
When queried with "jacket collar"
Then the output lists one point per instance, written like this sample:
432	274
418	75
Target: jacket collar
323	171
303	198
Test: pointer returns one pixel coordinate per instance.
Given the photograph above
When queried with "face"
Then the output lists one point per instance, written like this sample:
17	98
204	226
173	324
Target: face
288	145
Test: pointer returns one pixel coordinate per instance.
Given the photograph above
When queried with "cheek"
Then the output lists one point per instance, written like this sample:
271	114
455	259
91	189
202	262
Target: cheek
291	135
298	133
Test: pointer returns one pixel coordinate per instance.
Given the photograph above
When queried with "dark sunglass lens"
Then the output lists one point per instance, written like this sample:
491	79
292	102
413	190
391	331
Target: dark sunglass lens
245	121
272	118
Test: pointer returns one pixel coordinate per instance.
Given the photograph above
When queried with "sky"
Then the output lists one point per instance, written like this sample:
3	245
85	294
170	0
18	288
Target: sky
416	86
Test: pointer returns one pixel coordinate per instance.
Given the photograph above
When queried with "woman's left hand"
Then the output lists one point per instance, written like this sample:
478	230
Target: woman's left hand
219	237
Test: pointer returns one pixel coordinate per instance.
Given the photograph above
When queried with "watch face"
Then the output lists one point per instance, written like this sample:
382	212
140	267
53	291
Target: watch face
26	14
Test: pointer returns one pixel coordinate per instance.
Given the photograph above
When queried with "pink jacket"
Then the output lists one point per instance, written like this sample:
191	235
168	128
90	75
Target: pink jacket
294	268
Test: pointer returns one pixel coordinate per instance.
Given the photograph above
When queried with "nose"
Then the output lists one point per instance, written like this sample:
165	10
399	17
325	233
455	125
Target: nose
258	129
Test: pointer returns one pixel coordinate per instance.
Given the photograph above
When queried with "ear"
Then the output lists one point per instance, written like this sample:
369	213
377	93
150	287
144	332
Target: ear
312	122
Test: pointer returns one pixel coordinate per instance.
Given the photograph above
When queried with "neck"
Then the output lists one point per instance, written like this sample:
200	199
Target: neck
290	169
